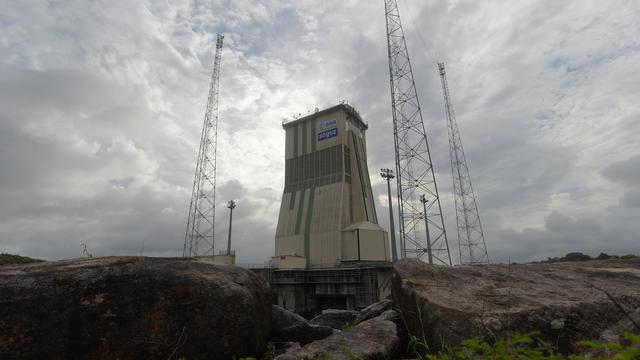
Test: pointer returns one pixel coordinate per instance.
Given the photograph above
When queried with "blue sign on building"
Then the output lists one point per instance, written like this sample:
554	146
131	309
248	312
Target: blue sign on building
324	125
327	134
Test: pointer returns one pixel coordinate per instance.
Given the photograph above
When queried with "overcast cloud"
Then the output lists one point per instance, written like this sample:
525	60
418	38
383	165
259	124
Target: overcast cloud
101	107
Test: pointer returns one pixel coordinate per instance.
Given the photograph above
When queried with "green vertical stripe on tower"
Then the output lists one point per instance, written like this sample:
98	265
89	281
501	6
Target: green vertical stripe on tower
365	170
295	141
313	135
299	215
292	202
304	137
307	226
312	194
363	188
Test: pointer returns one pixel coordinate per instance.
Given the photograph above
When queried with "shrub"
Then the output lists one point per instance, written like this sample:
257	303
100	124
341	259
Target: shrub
576	256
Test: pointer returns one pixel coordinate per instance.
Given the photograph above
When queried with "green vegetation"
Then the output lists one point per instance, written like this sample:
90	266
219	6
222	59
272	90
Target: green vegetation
578	256
530	346
350	354
6	259
525	347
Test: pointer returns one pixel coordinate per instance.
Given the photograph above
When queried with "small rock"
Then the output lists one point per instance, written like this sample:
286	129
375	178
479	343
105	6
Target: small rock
336	319
289	326
375	338
390	315
282	347
373	310
616	332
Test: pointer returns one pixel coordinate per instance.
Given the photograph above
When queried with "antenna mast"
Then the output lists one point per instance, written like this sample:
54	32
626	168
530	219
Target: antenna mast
471	245
414	169
199	236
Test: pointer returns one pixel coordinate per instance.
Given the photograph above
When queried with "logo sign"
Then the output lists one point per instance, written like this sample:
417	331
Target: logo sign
327	124
327	134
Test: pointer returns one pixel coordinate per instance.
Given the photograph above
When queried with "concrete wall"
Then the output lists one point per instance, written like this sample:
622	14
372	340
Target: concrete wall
222	259
373	245
349	246
290	262
308	292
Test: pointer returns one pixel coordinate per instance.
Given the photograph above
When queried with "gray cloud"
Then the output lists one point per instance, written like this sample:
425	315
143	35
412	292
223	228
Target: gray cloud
102	109
626	172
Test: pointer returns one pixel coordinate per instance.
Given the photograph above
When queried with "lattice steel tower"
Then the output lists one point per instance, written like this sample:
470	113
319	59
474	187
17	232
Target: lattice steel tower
199	236
471	245
414	168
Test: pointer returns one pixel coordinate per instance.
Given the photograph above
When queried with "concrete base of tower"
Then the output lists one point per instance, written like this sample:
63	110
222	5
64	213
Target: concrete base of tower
289	261
350	286
223	258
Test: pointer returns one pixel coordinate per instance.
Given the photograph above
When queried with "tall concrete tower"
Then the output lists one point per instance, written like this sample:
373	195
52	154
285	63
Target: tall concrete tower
328	216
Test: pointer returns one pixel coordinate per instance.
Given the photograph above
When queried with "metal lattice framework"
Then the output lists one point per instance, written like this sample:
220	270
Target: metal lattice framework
414	168
199	236
471	244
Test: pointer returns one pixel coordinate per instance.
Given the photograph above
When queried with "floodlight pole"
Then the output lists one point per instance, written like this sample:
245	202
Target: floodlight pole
388	175
231	205
423	200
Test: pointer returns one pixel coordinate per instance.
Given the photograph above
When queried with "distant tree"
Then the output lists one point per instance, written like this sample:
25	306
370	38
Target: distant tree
6	259
576	256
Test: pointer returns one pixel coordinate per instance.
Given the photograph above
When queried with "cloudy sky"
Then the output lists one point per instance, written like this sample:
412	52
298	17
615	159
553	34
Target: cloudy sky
101	106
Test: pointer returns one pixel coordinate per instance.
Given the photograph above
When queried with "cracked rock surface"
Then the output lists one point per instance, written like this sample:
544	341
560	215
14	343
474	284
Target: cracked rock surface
132	308
567	302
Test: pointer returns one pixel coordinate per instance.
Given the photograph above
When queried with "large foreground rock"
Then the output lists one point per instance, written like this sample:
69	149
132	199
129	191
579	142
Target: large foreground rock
287	326
372	339
564	301
132	308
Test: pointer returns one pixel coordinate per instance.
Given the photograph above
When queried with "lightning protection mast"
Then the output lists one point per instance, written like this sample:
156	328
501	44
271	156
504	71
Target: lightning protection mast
414	169
471	245
199	236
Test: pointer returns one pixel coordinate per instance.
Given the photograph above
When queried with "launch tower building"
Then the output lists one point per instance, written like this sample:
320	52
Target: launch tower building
327	216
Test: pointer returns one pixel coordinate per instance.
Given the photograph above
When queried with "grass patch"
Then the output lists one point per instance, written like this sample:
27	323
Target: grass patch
531	347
